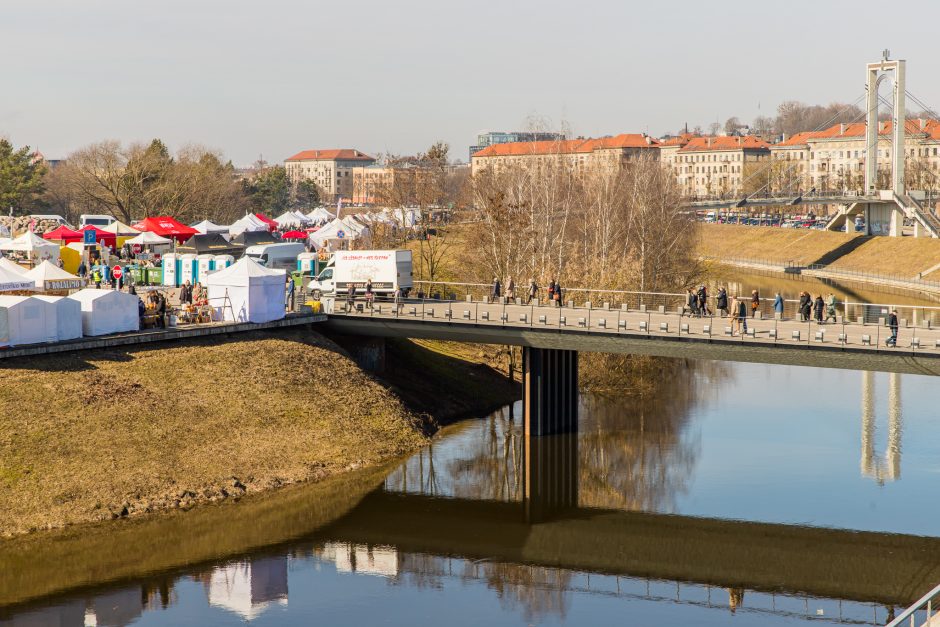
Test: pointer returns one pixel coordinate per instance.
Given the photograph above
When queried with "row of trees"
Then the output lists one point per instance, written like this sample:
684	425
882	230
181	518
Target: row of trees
616	228
139	180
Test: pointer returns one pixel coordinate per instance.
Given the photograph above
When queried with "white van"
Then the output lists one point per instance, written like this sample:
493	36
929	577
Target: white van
95	219
276	256
389	270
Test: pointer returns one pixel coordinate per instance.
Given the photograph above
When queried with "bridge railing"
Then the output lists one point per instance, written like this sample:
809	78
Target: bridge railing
864	327
927	607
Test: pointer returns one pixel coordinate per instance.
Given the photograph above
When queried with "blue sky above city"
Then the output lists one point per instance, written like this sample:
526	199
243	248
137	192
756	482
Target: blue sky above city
272	78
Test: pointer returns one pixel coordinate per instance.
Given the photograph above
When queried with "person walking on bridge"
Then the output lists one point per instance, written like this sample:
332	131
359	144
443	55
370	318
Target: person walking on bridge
778	305
722	302
755	302
350	297
691	302
804	306
533	292
510	289
558	294
703	301
496	288
831	307
818	306
893	325
551	292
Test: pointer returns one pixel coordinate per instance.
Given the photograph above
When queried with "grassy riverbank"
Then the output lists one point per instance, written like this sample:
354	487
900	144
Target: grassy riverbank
771	244
107	434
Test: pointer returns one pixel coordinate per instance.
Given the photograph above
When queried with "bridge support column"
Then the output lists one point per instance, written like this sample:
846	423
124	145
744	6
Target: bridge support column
549	391
551	476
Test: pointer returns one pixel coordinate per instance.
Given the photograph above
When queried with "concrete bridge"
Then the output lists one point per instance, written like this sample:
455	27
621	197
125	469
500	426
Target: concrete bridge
552	337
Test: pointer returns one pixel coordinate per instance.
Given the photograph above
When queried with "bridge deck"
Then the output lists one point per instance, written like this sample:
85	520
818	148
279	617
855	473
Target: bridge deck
861	347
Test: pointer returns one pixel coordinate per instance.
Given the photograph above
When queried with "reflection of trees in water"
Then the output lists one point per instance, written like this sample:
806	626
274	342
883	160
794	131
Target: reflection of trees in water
490	465
634	451
535	590
538	591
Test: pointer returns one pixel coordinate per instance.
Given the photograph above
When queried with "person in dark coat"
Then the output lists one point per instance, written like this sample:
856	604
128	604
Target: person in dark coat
495	290
691	302
722	302
818	306
893	325
804	306
551	292
703	301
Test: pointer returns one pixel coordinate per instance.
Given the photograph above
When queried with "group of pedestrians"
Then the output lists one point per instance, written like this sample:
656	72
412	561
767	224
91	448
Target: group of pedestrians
814	308
554	291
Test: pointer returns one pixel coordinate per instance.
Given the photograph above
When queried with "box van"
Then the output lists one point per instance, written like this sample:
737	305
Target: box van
95	219
276	256
388	269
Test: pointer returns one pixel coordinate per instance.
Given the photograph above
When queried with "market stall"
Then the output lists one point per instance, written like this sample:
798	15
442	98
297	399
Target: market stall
12	266
15	280
31	247
107	311
165	226
26	320
68	316
248	223
63	234
247	292
51	278
211	243
207	226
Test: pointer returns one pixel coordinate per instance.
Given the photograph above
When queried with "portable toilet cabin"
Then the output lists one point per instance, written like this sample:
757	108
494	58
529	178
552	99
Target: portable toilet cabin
307	263
205	264
188	268
223	261
171	269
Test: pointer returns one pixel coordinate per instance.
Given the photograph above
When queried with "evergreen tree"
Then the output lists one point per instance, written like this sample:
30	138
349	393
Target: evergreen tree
21	178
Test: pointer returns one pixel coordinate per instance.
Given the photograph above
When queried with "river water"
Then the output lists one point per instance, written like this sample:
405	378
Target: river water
660	528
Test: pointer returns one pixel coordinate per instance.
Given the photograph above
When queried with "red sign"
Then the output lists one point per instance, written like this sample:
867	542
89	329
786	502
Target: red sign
117	271
137	248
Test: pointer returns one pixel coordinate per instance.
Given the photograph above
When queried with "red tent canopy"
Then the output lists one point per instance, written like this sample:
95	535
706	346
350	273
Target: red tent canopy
294	235
166	226
101	237
63	233
272	225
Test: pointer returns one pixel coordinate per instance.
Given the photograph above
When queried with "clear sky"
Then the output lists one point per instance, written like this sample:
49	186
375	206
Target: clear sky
273	77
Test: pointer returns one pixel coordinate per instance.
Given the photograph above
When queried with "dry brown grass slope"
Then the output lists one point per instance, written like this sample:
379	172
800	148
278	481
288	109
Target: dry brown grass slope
904	257
94	435
773	244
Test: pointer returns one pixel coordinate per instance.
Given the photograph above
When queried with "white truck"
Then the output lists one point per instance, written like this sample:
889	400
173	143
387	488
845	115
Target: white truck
388	269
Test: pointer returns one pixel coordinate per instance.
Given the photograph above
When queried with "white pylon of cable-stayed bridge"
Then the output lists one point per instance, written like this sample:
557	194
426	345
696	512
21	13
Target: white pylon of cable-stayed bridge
875	74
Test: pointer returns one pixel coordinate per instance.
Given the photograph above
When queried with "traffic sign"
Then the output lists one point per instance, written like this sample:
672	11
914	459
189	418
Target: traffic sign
117	272
89	237
341	234
137	248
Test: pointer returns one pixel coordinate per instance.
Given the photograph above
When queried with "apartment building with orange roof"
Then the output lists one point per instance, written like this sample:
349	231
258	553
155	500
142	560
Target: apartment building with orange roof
331	170
833	159
582	154
707	167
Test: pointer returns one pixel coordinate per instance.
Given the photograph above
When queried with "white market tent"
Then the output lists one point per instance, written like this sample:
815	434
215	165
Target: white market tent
34	246
49	276
107	311
120	229
149	238
249	222
207	226
15	281
291	218
68	316
255	293
354	224
320	216
335	230
26	320
11	265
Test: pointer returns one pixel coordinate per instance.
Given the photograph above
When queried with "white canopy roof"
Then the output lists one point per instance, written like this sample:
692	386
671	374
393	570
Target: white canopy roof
107	311
337	229
207	226
289	218
242	271
248	222
68	316
119	228
11	281
12	266
149	238
49	276
320	215
33	244
28	321
353	224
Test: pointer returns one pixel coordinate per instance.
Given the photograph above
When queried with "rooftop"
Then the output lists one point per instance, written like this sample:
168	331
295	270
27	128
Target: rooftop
568	146
333	154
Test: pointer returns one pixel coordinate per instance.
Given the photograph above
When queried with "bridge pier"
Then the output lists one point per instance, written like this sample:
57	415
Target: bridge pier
550	485
549	391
